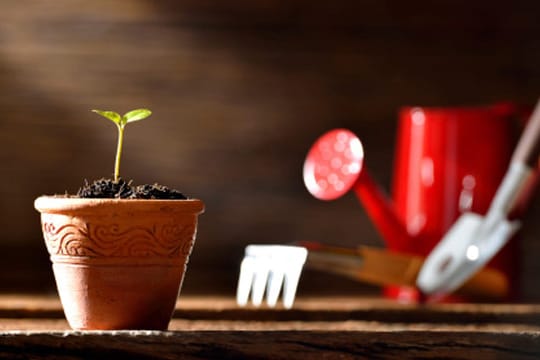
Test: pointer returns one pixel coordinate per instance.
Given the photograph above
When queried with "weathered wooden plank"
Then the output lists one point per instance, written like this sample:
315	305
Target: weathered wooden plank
269	345
310	310
48	325
31	327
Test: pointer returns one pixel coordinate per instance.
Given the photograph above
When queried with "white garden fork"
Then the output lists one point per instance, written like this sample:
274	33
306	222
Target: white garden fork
269	268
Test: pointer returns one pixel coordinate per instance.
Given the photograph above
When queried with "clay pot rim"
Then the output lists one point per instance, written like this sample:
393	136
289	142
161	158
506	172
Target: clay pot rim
63	203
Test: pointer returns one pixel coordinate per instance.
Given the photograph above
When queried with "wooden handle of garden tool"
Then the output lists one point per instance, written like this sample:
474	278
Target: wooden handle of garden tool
382	267
528	148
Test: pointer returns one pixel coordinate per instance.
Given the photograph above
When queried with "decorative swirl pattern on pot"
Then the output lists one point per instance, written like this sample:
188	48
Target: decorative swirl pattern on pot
169	239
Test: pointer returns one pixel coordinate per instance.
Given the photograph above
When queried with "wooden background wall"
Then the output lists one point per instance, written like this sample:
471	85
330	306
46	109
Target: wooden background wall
239	90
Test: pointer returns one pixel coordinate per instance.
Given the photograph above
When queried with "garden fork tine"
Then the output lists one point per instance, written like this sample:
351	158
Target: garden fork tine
267	268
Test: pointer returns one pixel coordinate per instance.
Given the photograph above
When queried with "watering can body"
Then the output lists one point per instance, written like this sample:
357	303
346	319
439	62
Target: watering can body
447	161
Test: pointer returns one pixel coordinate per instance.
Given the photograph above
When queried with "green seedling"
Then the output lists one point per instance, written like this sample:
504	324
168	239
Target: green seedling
121	122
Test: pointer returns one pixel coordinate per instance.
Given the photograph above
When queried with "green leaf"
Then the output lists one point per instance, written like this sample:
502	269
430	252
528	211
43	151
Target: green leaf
135	115
111	115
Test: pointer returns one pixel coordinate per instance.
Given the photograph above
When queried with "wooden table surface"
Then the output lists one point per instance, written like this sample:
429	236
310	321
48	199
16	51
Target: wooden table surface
33	327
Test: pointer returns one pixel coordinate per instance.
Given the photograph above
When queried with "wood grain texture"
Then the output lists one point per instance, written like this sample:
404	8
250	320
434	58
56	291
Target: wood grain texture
31	327
239	91
344	312
270	345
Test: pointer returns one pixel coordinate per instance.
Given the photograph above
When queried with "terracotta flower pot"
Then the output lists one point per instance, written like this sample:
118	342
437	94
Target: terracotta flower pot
118	264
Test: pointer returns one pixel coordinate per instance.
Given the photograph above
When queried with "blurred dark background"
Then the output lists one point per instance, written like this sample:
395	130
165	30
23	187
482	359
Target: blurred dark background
239	90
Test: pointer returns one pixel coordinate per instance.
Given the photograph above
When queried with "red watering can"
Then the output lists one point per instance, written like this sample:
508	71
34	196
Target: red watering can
447	161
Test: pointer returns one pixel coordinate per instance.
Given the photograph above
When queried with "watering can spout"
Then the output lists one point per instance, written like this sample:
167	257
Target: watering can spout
335	165
380	210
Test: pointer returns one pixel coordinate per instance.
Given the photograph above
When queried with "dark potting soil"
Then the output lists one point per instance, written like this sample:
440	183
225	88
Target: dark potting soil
109	189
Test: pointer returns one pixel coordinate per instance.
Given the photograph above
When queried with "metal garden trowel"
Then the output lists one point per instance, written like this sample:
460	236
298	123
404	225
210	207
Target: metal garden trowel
474	239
